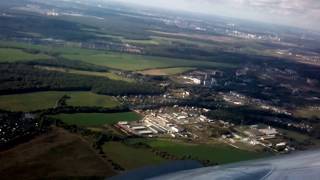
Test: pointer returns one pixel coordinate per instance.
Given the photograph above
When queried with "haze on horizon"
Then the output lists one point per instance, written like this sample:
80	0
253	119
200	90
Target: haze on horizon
298	13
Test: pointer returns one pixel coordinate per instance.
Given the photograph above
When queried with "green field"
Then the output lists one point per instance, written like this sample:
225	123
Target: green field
295	135
298	137
141	42
29	101
170	40
97	119
46	49
139	62
129	41
90	99
307	112
109	75
121	61
45	100
218	153
166	71
129	157
14	55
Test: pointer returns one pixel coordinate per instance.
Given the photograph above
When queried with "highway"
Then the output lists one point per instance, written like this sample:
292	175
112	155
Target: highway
296	166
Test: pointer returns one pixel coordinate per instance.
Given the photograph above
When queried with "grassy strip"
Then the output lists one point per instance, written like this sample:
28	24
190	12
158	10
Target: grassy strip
218	153
97	119
15	55
129	157
139	62
45	100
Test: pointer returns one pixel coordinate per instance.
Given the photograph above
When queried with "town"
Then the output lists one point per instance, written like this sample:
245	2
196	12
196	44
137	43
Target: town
92	89
190	123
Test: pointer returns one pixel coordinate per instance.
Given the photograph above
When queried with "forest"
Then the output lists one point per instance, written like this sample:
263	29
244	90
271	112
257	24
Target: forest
21	78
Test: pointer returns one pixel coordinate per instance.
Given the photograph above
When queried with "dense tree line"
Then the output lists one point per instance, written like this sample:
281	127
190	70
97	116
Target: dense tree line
20	78
73	110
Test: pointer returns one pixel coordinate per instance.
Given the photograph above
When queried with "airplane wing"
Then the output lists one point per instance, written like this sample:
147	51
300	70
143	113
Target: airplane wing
296	166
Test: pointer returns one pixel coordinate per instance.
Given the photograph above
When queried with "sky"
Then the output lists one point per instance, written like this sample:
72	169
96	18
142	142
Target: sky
299	13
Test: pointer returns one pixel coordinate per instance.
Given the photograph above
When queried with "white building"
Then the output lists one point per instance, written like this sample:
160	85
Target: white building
193	80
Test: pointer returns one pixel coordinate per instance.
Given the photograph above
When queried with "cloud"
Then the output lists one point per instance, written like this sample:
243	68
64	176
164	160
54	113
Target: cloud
301	13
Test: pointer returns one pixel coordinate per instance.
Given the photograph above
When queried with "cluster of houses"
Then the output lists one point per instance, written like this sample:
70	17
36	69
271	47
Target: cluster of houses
16	125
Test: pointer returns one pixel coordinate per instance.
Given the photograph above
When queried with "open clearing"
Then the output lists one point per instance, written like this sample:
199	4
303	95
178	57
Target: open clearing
45	48
29	101
130	41
295	135
308	112
97	119
140	42
48	99
109	75
132	62
14	55
130	157
166	71
213	38
218	153
121	61
90	99
57	154
299	137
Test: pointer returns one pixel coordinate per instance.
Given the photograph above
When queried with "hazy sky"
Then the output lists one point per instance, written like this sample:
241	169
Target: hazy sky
304	13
